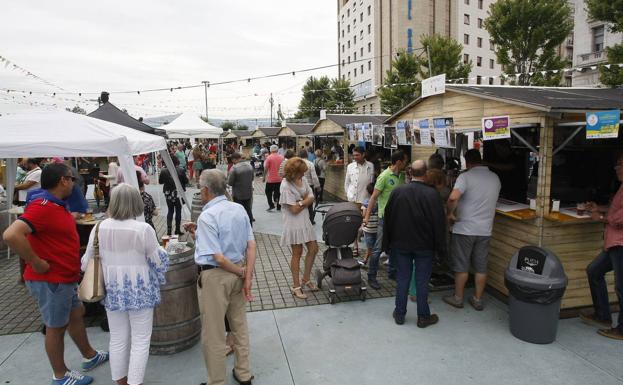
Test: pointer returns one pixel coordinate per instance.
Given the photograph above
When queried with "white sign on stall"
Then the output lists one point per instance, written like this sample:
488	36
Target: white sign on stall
434	85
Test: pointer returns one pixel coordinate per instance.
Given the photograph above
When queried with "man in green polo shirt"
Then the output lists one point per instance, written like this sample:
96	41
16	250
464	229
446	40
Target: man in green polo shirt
389	179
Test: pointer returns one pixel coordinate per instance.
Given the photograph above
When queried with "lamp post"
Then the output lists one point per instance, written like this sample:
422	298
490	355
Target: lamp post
205	87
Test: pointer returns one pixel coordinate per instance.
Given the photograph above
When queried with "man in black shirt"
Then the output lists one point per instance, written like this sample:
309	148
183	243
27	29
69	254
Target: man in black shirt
415	228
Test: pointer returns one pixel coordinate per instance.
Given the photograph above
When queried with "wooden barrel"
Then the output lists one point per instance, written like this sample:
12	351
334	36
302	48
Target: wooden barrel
197	205
177	323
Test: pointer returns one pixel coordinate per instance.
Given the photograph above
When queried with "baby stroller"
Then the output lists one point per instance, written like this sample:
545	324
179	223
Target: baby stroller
339	230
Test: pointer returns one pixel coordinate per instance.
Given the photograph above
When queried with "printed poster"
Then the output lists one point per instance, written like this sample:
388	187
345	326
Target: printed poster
367	132
360	135
425	138
377	135
391	139
496	127
603	124
403	130
441	127
351	132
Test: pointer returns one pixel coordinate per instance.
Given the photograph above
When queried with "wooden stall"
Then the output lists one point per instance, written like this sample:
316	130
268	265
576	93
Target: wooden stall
544	123
302	131
288	136
328	134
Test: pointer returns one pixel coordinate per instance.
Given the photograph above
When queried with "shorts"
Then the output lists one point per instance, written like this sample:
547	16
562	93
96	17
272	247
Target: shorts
55	300
197	165
469	250
370	240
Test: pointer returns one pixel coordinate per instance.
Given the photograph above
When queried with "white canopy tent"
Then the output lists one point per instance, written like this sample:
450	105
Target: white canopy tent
61	133
189	125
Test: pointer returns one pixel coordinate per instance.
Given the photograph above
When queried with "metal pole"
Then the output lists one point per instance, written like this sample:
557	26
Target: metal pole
205	87
271	109
430	63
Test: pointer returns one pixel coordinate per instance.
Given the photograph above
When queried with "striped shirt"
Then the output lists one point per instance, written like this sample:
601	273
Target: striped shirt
373	222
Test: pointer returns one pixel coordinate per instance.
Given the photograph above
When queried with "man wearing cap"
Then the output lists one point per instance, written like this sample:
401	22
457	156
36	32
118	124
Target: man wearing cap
272	178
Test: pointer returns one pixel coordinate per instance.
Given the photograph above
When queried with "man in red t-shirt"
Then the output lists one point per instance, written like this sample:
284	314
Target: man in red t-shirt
45	237
272	178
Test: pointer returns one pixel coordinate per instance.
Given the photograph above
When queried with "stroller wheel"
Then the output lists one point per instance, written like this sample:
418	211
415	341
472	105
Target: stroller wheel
319	277
332	298
363	294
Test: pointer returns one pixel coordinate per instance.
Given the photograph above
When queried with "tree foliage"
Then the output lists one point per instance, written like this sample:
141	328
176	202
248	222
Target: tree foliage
401	85
611	12
77	110
446	58
228	126
341	97
526	35
333	95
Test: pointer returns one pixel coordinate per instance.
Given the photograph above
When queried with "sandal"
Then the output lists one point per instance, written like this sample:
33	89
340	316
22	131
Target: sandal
310	285
298	293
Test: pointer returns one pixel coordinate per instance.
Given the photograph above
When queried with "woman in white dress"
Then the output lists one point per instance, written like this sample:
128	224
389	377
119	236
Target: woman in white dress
134	265
296	197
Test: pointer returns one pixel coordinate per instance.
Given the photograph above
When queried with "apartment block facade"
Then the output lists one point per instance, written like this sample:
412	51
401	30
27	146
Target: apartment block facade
372	32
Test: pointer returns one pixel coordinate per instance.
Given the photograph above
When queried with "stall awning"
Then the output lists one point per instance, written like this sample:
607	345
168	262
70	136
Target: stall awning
189	125
110	113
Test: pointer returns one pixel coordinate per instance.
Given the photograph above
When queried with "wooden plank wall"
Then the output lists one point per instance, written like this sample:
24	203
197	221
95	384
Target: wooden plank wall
334	182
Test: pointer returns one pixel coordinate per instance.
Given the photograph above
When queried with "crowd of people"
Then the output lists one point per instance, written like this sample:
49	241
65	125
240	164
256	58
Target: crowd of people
409	214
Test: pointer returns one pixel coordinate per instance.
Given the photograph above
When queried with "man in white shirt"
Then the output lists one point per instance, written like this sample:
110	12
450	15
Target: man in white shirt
32	180
359	174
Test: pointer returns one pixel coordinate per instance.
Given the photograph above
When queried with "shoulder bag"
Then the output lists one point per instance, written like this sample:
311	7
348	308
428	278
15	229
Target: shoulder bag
92	288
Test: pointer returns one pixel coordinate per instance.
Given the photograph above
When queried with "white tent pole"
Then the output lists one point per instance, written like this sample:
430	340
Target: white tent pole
11	171
173	172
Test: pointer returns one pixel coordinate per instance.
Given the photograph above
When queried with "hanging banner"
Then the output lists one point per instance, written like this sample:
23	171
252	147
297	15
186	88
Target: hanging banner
351	132
367	132
496	127
391	139
434	85
603	124
377	135
403	130
442	128
425	138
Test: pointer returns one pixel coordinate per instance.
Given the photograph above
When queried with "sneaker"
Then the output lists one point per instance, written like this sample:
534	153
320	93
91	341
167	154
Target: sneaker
613	333
92	363
373	283
399	319
477	304
423	322
591	319
73	378
270	209
453	300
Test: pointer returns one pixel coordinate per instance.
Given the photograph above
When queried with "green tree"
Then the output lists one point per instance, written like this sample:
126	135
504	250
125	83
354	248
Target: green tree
341	97
401	84
446	58
77	110
526	34
242	127
316	96
610	11
228	126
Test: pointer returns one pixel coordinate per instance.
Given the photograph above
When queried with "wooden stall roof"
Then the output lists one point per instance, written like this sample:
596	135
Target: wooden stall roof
335	124
301	129
241	133
270	132
229	135
286	132
258	134
544	99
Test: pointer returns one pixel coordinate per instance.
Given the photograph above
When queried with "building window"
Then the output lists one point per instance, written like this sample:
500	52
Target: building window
478	79
348	75
371	108
348	42
369	29
349	60
479	42
480	5
491	45
355	71
466	19
490	81
491	63
502	81
363	109
342	48
478	61
348	12
361	69
480	23
354	39
361	52
598	39
343	62
466	2
465	58
369	65
342	33
361	17
348	28
354	56
466	39
369	47
343	77
369	10
361	34
354	22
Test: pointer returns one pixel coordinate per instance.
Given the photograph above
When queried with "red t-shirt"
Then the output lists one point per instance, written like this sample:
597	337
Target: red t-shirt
54	238
271	164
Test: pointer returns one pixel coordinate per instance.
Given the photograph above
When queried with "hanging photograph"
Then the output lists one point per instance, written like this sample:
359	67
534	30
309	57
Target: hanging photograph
424	136
377	135
351	132
391	139
442	127
367	132
403	130
359	131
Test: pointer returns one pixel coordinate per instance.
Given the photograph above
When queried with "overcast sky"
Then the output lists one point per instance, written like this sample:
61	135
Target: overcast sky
89	46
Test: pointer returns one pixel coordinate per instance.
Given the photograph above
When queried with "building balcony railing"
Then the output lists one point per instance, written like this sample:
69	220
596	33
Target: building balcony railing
591	58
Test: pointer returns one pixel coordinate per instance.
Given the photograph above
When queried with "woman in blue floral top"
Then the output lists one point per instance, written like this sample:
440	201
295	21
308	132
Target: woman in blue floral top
134	265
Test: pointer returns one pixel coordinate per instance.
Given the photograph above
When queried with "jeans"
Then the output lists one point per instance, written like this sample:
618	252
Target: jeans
606	261
406	261
246	203
273	194
177	207
373	263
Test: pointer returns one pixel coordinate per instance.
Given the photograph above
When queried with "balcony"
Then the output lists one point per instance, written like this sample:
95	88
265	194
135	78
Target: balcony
592	58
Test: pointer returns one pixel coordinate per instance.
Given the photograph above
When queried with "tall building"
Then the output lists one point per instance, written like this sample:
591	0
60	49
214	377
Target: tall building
590	39
372	32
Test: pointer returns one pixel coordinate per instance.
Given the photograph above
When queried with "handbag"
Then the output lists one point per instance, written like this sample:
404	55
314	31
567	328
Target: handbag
92	288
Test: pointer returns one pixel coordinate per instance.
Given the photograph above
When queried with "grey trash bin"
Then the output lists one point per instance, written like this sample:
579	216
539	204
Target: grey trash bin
536	282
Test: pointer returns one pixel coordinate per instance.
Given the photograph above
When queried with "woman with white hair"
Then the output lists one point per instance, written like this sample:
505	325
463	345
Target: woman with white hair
134	265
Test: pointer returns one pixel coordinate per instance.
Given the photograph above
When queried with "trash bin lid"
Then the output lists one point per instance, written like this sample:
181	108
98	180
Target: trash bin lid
537	268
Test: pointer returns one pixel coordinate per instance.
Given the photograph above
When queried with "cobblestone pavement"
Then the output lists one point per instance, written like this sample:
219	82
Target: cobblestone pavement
271	288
